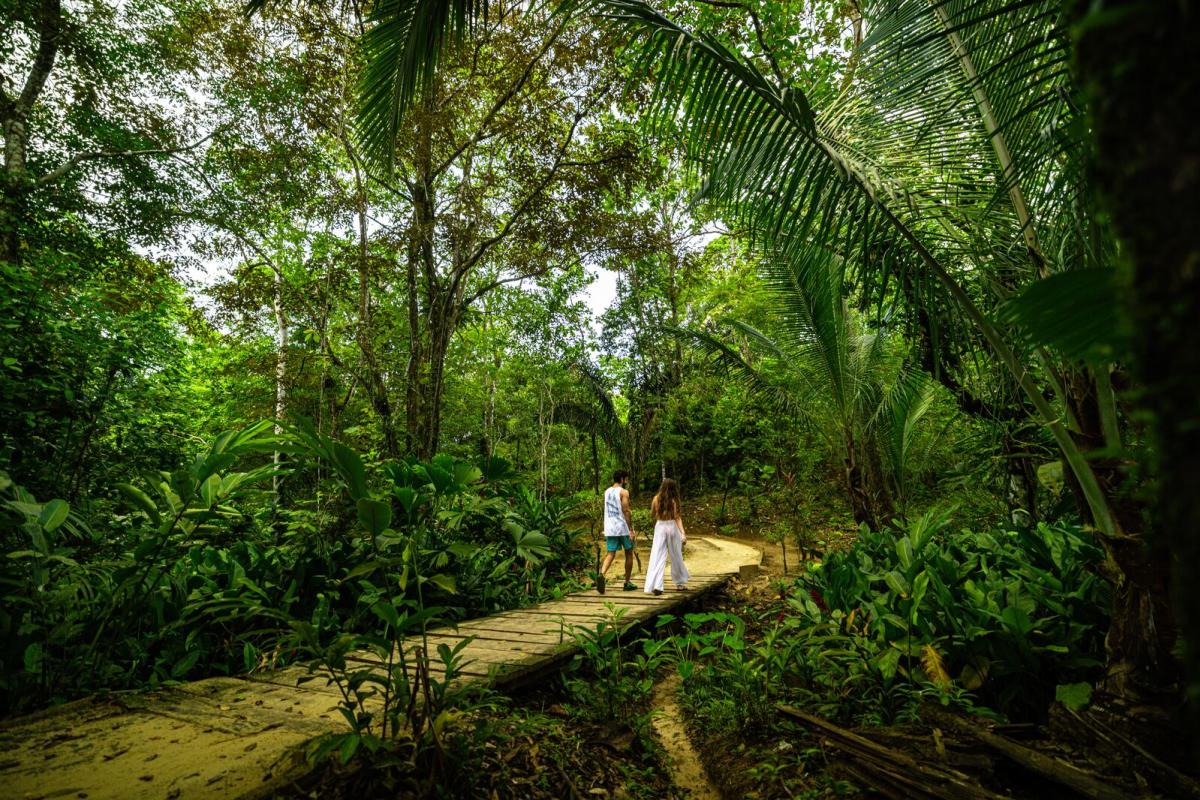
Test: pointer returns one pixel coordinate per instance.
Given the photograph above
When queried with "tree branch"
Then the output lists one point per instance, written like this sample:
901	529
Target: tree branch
501	102
518	212
498	282
758	34
93	155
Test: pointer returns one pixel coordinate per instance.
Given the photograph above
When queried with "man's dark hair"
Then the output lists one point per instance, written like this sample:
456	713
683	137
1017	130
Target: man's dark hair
619	476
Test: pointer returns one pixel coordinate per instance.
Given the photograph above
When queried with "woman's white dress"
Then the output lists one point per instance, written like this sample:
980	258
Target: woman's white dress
668	543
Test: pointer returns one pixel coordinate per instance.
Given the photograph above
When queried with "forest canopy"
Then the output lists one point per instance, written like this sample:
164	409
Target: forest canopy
361	306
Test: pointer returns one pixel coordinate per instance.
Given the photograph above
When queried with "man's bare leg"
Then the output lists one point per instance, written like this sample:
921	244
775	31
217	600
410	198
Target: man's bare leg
628	565
604	565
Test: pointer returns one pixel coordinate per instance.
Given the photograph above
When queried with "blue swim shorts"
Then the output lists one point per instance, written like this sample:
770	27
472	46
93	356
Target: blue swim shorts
615	543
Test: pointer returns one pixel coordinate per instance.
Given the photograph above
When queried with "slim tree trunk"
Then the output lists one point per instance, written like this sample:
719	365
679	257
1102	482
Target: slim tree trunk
375	384
595	463
423	335
281	346
442	322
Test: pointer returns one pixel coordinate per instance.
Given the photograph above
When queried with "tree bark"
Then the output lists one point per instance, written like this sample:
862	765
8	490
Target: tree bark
1137	61
375	384
421	275
859	496
14	118
281	345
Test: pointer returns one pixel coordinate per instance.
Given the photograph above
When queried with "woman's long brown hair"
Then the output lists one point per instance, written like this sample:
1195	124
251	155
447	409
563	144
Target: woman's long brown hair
666	502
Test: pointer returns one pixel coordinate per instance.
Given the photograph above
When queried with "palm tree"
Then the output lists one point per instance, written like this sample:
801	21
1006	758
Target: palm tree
836	376
959	145
596	415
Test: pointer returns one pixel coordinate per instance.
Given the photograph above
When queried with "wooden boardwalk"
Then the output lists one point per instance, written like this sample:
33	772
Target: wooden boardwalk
239	737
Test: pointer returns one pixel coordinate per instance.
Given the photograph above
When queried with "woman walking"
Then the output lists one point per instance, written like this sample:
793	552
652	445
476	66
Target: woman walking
669	539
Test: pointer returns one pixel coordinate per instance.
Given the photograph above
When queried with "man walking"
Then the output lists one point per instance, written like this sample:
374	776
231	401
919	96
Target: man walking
618	529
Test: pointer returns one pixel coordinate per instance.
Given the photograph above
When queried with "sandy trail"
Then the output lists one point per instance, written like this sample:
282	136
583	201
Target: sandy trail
703	555
687	771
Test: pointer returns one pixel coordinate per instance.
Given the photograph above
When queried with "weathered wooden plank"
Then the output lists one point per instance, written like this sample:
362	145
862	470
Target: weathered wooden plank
502	636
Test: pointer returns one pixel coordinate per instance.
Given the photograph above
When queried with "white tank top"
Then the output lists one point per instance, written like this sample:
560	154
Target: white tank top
614	517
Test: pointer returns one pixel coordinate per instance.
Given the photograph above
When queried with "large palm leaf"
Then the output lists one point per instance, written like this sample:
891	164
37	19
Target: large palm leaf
403	43
796	180
983	87
819	365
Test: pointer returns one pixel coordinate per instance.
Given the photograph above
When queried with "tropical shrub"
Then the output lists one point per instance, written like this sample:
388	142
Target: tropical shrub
611	678
197	581
1007	614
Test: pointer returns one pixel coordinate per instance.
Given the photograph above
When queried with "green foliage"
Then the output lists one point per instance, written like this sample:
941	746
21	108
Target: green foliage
1075	313
735	683
1009	614
95	374
611	678
1075	696
195	586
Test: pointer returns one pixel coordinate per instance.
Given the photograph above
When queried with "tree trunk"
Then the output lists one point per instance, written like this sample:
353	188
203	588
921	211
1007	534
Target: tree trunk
424	359
281	346
442	322
1138	66
14	116
375	384
856	489
1020	479
595	463
12	214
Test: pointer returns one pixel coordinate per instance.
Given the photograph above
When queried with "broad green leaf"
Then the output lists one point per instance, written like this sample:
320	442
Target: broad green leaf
141	500
896	583
54	514
184	665
34	655
348	747
440	478
445	582
1075	696
350	467
904	551
407	497
375	515
920	585
210	490
388	613
1016	619
466	474
887	662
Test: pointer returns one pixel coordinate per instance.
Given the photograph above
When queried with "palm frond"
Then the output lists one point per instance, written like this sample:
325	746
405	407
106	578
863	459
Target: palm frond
792	180
403	43
738	368
1074	313
898	421
974	99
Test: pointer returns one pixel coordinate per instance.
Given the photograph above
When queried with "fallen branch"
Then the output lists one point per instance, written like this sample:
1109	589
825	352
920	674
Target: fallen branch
891	772
1037	762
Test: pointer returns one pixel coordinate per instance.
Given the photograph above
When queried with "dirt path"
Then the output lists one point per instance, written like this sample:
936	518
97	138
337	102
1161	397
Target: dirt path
687	771
703	556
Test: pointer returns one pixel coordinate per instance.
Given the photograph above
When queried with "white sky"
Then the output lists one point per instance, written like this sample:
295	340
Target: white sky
602	291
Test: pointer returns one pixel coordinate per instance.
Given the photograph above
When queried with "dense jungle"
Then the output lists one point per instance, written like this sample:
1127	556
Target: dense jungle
329	333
